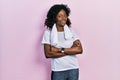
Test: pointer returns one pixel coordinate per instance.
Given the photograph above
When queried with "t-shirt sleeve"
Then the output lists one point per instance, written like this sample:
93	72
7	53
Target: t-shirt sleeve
46	37
75	36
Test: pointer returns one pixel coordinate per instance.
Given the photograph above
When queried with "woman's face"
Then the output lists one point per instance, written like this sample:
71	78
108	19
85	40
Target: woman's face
61	18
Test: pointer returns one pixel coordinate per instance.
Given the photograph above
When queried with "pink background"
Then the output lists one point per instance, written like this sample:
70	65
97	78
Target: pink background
97	22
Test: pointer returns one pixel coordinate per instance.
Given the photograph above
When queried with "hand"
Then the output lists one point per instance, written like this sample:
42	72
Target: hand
76	43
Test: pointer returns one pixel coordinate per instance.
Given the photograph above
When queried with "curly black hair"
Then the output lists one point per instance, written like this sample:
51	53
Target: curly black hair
52	13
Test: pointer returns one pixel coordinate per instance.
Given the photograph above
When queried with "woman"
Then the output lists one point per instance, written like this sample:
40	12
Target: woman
61	44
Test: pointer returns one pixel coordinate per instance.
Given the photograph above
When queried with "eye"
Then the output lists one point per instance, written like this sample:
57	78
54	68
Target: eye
59	16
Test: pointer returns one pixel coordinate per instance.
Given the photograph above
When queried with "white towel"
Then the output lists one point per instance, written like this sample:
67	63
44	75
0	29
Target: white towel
54	37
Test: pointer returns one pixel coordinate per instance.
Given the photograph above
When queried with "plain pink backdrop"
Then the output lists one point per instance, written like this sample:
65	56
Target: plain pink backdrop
97	22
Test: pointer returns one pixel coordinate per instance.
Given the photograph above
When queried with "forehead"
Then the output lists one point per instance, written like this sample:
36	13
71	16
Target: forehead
62	12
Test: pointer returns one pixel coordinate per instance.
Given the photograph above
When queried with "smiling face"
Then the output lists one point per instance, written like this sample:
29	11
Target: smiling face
61	18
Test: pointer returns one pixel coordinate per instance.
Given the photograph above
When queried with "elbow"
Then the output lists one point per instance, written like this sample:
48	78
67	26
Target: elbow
47	55
80	51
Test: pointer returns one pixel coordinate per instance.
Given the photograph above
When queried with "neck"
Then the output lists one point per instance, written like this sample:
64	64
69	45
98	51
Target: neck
60	28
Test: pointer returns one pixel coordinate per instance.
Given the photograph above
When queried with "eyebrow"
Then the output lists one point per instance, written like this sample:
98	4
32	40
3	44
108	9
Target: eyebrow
63	14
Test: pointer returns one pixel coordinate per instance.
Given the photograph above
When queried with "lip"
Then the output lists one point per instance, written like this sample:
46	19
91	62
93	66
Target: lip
63	22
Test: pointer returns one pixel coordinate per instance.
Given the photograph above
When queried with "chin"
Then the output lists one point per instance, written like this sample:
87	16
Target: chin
63	24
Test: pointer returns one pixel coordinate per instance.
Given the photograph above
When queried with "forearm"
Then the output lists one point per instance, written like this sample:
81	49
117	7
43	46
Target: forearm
54	55
56	52
69	51
73	50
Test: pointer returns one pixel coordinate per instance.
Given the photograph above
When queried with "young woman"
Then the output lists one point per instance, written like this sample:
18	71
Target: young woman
61	44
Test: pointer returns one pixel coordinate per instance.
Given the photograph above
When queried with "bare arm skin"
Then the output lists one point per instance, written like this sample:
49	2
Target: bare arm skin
53	52
75	49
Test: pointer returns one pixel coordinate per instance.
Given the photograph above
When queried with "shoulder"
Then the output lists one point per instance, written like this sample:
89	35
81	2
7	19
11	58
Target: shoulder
75	35
46	37
73	31
47	32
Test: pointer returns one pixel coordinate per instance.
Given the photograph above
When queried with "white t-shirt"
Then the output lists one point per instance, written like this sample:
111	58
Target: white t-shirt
66	62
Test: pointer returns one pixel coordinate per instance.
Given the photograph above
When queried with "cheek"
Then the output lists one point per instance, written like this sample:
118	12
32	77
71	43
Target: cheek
58	20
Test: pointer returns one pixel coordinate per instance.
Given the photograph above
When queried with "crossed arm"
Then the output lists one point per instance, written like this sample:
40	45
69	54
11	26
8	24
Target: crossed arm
50	51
